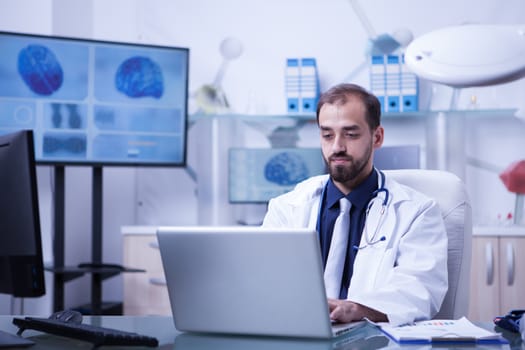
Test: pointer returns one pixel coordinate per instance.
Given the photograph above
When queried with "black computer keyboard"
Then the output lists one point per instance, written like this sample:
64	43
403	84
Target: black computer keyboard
96	335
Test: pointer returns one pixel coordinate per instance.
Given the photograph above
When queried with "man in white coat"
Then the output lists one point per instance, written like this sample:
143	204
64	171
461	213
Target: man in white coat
394	264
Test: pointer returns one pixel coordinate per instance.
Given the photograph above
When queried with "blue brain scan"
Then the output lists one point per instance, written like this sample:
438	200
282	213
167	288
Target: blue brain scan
40	69
286	168
139	77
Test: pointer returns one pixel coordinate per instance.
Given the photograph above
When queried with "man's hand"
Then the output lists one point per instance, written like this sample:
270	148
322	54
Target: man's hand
347	311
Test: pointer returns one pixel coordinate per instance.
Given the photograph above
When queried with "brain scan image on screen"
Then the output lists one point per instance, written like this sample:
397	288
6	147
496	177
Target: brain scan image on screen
139	76
57	145
285	169
255	175
65	116
40	69
92	102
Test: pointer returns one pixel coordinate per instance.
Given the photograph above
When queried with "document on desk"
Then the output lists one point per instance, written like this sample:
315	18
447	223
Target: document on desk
441	331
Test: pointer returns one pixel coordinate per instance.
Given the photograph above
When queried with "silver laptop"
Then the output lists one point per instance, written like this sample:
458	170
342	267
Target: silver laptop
247	280
365	338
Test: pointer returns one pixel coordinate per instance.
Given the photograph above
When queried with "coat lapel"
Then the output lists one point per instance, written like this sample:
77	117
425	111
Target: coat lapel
373	253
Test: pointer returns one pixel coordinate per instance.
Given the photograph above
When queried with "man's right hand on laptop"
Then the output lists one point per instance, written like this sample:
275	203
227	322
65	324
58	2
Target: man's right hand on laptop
345	311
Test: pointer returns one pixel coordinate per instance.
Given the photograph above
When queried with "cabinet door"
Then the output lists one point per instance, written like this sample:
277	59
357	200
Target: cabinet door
144	293
485	281
512	273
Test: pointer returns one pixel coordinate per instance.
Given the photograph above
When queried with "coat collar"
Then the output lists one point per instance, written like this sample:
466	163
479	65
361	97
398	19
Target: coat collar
312	188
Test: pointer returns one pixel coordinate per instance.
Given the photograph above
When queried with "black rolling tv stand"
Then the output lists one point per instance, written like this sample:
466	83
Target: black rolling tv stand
98	270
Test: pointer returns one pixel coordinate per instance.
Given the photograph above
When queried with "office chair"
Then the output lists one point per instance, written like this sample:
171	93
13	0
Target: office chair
450	193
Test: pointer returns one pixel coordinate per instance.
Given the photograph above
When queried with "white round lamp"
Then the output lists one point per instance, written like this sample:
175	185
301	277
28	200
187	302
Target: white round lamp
469	55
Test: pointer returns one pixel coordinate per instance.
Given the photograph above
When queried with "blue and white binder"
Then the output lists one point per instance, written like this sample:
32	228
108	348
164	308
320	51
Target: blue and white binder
309	85
378	78
409	88
292	87
302	85
393	83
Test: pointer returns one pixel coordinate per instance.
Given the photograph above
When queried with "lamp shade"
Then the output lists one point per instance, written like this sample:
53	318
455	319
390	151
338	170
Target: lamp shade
469	55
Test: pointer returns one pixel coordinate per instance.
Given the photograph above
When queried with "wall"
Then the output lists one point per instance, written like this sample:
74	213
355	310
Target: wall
332	33
38	20
270	31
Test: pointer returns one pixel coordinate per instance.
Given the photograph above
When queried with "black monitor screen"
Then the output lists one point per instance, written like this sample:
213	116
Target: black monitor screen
21	262
95	102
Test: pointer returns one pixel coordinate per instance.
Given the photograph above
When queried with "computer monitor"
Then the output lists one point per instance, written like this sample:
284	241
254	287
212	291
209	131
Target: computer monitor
21	261
397	157
258	174
95	102
255	175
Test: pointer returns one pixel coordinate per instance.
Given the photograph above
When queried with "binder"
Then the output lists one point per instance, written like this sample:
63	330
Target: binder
292	86
393	83
309	85
409	88
378	79
301	85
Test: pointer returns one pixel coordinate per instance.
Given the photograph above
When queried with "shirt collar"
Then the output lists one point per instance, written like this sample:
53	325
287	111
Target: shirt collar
359	196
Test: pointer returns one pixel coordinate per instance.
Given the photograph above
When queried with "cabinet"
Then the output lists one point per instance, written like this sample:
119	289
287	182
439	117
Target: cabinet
144	293
497	272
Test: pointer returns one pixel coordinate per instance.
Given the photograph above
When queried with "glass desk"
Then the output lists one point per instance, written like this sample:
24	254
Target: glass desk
163	329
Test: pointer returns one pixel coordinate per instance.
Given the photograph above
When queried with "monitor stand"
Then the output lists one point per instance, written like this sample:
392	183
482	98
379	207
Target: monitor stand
99	271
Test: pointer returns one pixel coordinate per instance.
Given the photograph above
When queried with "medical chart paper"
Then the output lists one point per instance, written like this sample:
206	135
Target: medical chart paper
437	331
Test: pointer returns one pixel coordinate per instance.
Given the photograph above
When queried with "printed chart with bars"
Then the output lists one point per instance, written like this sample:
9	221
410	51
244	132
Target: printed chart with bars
302	85
393	83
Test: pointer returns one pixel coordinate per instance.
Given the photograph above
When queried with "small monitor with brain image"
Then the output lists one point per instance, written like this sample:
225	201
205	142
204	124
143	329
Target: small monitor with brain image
258	174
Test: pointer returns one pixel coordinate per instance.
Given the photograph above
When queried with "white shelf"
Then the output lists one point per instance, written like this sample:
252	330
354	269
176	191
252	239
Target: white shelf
470	113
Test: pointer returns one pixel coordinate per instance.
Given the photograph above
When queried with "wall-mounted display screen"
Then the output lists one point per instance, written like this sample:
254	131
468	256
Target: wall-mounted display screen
397	157
258	174
95	102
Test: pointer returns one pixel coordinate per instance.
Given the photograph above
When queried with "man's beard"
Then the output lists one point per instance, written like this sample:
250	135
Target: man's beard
344	174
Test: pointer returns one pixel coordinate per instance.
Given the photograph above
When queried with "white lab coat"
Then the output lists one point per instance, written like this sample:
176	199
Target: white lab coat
404	276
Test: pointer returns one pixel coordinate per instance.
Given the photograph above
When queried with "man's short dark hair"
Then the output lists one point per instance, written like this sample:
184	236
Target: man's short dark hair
338	94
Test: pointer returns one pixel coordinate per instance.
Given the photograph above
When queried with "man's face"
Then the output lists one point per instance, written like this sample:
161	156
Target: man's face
347	143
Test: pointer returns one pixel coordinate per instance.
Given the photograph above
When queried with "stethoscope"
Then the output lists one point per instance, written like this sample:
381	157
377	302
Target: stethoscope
374	239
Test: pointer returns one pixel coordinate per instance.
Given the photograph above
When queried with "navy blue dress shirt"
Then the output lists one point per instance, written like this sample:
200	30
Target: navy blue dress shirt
359	197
